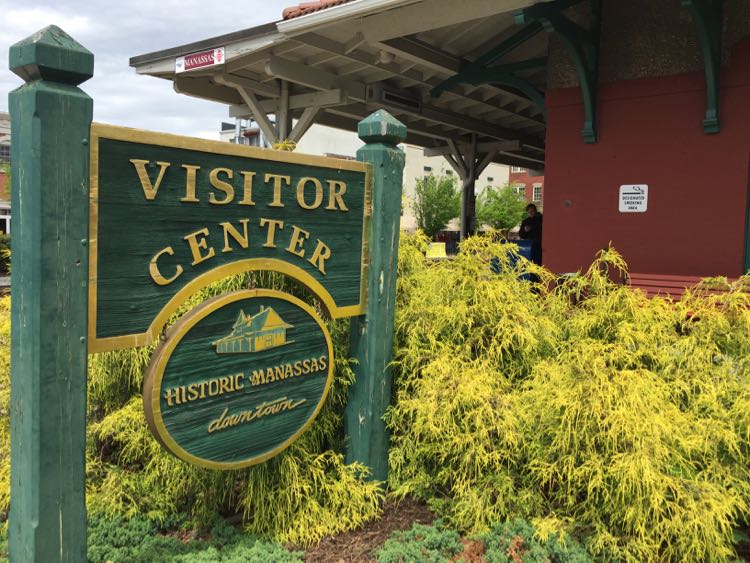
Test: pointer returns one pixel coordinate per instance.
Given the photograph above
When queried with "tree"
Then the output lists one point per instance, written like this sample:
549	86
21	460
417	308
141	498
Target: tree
436	201
501	208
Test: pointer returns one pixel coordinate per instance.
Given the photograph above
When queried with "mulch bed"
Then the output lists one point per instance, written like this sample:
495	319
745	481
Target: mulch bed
360	545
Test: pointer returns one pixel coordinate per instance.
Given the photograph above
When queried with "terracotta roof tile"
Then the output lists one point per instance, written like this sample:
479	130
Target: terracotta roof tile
309	7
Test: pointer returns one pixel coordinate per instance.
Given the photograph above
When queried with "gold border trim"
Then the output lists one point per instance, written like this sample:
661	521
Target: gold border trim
155	373
99	131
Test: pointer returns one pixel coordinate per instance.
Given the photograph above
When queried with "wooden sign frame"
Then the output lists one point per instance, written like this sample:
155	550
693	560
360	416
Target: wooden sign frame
100	132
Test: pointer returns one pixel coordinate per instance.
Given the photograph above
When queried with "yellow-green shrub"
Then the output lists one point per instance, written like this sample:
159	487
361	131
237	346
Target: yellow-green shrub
4	406
586	407
299	496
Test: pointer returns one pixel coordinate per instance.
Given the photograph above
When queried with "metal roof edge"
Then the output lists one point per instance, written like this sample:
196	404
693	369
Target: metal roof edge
204	44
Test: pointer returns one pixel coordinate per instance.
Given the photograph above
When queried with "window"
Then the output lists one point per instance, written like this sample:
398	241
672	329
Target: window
537	193
4	153
520	189
428	169
449	172
517	169
490	179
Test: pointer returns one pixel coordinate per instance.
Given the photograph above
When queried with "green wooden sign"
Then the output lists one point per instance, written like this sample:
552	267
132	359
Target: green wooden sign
132	223
170	214
238	379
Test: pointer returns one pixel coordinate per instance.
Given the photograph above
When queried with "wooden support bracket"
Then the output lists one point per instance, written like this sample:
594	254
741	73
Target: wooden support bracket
583	48
707	17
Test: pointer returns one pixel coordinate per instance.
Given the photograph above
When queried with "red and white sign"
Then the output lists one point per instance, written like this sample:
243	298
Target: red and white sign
199	60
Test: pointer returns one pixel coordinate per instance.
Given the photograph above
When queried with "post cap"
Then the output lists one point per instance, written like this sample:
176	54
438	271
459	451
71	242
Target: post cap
51	54
381	126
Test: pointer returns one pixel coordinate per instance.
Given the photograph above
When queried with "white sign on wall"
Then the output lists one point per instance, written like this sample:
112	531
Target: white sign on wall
633	198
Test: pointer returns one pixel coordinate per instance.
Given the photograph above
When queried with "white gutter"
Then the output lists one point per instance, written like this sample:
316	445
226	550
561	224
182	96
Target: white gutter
326	16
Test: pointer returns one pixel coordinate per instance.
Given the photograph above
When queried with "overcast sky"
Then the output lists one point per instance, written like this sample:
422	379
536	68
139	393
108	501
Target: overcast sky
117	30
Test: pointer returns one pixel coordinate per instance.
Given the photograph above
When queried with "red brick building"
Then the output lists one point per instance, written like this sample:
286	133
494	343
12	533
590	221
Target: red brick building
529	183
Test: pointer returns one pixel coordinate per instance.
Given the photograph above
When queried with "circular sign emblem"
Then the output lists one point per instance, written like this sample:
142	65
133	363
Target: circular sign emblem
238	379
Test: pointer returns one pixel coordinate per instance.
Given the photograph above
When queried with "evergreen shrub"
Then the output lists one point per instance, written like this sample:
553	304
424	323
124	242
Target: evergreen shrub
582	405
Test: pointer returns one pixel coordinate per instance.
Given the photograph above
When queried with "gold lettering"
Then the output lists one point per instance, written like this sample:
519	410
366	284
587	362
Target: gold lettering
301	193
222	185
192	392
277	178
230	230
171	395
196	245
149	189
320	255
224	385
247	188
190	173
153	268
296	242
336	191
238	381
213	387
272	224
215	423
323	361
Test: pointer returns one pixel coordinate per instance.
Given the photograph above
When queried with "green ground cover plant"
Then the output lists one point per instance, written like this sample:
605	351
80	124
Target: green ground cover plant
139	540
508	542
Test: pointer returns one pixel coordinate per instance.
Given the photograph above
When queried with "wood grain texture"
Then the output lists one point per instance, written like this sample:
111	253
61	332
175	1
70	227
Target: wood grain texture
132	230
372	334
50	119
195	393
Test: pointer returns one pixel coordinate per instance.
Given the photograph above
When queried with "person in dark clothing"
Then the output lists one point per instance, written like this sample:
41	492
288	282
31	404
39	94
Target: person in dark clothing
531	229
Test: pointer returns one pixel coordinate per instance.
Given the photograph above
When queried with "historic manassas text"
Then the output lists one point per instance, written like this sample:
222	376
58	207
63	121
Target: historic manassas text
238	383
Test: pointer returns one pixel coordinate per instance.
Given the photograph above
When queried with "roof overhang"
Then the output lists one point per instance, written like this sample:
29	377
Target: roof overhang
338	65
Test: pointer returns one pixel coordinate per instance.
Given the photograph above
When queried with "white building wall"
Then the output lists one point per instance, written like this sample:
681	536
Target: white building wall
327	141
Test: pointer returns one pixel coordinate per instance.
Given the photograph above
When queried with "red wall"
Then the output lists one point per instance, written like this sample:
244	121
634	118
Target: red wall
650	132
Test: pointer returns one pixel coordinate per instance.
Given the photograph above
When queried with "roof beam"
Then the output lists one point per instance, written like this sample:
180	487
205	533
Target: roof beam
321	99
312	78
347	117
481	147
205	88
259	114
470	125
417	51
269	90
414	18
303	123
348	123
323	43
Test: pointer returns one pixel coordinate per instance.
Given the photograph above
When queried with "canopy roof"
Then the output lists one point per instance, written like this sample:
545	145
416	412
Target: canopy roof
337	65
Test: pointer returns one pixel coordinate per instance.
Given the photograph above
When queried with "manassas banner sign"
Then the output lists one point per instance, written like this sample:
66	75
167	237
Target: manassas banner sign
169	215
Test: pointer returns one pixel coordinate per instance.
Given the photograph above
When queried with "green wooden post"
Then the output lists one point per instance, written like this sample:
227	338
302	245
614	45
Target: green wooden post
372	334
50	121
